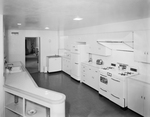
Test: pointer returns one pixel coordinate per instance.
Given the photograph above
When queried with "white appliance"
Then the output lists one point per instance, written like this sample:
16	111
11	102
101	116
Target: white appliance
113	82
54	63
78	55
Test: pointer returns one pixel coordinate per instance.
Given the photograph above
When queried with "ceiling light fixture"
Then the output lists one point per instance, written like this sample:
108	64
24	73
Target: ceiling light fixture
78	18
47	28
19	24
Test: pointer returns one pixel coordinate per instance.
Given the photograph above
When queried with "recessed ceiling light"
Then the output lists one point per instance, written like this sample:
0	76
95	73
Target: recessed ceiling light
78	18
46	27
19	24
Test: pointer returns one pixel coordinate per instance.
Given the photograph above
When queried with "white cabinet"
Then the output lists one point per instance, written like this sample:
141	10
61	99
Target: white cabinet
142	46
98	49
118	91
66	65
54	63
78	55
90	76
139	97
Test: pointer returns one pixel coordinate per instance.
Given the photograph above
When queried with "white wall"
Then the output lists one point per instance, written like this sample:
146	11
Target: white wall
108	31
1	68
16	44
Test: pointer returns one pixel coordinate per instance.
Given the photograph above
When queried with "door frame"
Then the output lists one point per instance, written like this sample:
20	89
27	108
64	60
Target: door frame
39	51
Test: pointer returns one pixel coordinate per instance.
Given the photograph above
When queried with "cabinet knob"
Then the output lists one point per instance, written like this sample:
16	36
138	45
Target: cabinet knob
141	96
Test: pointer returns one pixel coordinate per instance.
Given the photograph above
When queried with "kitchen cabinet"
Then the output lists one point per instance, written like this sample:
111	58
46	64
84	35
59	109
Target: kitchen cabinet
98	49
139	97
118	91
142	46
66	65
78	55
67	45
54	63
90	75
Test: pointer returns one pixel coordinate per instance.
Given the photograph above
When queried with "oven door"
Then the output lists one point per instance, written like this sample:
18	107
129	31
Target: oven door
103	85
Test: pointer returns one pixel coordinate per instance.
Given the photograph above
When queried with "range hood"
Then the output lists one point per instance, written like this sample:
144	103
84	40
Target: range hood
117	45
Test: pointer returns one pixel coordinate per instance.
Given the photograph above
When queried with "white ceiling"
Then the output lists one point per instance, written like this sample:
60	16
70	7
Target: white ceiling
59	14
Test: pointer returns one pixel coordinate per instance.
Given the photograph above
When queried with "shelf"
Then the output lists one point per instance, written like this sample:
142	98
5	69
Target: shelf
14	103
17	108
41	110
9	113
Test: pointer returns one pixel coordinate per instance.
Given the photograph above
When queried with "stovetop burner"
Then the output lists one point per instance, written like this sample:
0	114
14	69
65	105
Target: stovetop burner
126	73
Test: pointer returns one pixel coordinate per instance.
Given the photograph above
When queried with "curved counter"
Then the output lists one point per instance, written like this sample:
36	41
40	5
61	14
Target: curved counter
23	84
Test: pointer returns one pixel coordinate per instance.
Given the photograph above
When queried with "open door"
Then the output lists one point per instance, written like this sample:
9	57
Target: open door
32	54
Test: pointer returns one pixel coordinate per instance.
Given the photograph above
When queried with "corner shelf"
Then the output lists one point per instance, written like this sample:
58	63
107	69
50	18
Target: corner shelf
14	104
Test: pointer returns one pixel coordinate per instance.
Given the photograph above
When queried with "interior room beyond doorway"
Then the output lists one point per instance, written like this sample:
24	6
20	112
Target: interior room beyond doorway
32	54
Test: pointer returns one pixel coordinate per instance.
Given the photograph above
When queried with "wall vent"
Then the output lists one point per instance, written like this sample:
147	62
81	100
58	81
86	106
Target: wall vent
15	33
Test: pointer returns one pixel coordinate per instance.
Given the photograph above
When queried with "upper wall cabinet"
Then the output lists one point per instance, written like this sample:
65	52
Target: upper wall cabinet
142	46
98	49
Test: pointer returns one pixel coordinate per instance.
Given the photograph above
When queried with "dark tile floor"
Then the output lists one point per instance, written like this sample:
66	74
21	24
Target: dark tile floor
81	100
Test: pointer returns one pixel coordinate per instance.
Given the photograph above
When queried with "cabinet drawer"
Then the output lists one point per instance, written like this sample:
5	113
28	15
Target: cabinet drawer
104	92
117	100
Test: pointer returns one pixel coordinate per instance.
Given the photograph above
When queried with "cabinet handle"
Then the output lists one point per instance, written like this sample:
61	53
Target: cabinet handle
144	98
103	90
115	80
115	96
76	49
141	96
92	77
76	63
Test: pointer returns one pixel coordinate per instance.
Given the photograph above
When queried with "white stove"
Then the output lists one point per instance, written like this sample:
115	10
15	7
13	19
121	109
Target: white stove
113	82
114	70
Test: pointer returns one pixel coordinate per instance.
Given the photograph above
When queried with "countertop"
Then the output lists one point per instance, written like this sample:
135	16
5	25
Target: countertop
141	78
92	64
54	56
23	82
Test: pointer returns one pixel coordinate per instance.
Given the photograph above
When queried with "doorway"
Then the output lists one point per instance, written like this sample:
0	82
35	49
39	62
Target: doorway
32	54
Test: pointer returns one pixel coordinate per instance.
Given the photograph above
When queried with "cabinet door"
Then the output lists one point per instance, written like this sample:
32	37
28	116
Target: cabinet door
89	76
68	66
74	49
135	96
141	44
94	78
75	68
147	101
63	64
75	58
54	64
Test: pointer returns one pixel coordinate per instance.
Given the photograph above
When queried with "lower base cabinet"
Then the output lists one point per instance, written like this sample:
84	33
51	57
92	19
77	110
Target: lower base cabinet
16	106
89	75
66	65
139	97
